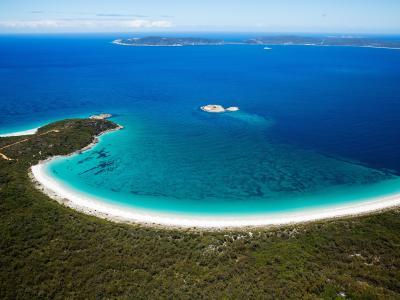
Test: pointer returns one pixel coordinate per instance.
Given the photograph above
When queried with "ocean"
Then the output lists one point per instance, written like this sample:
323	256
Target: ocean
317	126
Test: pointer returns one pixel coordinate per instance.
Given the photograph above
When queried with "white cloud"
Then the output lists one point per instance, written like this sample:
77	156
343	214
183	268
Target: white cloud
146	24
85	24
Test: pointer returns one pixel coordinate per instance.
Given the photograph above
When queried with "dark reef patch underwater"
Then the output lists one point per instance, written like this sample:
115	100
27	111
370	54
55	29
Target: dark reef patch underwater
317	125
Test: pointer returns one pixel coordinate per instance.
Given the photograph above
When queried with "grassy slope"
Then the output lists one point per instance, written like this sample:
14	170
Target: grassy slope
50	251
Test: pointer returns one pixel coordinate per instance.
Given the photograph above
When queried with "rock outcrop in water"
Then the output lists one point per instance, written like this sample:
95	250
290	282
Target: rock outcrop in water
215	108
101	116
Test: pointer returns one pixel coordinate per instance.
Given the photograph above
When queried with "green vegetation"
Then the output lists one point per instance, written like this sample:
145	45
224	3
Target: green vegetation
51	251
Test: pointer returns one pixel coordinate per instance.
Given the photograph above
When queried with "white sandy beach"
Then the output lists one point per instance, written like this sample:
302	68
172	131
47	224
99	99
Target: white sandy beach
91	205
18	133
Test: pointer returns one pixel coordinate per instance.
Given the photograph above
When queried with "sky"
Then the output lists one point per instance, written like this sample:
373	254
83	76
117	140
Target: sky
309	16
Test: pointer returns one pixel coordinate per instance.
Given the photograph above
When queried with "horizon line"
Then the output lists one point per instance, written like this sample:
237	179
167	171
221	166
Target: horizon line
198	32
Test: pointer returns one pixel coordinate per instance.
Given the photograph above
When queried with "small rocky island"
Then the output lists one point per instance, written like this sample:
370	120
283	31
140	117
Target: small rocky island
215	108
167	41
100	116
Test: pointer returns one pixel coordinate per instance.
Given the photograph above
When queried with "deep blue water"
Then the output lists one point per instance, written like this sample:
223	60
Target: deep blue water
318	125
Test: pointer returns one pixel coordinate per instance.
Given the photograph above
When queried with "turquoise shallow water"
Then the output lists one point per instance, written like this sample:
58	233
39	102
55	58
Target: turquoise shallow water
215	165
318	125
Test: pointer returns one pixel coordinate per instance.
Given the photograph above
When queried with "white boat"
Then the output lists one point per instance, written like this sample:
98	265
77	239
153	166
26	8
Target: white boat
267	48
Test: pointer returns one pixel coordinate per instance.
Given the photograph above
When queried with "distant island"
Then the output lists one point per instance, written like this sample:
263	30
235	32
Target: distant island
325	41
167	41
349	41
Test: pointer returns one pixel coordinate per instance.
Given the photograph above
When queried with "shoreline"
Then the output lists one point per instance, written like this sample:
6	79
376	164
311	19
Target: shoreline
121	214
19	133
